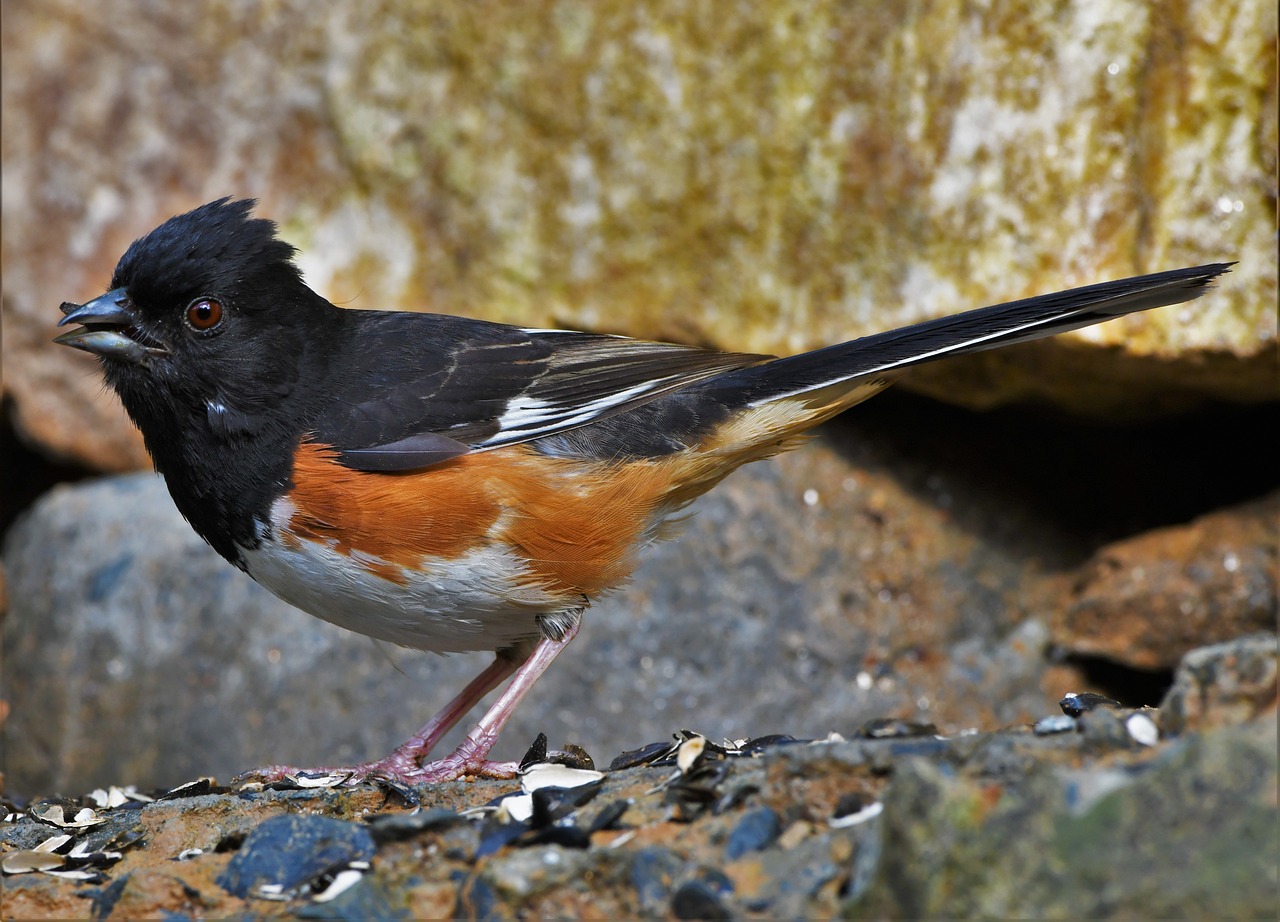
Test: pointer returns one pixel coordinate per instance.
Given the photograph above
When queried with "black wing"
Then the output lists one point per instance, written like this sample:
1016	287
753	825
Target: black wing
414	390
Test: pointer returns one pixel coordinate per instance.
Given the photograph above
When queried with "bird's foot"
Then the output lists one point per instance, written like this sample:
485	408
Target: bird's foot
403	766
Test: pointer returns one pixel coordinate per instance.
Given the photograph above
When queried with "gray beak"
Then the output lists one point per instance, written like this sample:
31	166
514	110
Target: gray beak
106	324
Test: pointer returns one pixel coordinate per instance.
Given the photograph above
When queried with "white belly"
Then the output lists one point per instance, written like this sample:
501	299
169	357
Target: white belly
478	601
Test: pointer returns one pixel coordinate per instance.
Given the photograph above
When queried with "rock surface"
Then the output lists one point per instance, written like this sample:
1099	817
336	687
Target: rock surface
1010	824
884	570
760	177
1231	682
133	651
1146	600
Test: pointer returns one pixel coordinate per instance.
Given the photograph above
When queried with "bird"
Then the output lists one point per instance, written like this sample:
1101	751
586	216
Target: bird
457	485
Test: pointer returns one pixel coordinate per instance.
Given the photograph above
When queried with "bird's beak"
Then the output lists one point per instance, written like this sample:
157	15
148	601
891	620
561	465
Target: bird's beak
109	329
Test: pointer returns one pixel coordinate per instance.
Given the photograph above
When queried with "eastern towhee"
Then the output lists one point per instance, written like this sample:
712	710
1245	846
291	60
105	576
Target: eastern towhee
451	484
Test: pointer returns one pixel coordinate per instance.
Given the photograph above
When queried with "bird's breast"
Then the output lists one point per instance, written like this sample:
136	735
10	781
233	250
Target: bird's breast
477	600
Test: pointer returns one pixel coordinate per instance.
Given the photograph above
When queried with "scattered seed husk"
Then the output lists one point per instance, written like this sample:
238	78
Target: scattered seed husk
1142	729
1074	704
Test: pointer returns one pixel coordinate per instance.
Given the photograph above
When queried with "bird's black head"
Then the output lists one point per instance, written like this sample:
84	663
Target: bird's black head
207	316
216	247
217	350
211	339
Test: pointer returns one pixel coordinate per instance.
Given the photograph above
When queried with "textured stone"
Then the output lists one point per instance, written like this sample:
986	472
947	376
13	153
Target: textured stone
766	177
755	832
1147	601
807	594
1196	834
987	825
1224	684
291	850
134	652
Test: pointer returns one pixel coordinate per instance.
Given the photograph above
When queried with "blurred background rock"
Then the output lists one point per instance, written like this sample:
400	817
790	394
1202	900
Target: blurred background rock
765	177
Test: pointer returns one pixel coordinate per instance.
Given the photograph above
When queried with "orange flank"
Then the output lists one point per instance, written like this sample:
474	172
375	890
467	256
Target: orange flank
397	518
577	526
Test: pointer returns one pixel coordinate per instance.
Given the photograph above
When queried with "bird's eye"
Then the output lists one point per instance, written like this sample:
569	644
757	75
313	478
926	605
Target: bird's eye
203	314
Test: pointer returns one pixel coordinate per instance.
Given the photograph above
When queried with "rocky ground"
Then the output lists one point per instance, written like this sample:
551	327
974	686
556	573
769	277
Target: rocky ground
1110	813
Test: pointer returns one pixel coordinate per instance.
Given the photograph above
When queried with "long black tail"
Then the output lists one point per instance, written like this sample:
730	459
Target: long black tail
883	355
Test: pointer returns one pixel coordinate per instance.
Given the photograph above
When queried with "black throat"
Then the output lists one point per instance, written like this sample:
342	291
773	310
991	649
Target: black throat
226	458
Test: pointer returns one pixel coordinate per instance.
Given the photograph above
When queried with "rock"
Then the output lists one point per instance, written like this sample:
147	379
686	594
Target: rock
697	899
287	853
762	177
143	893
366	900
529	872
135	655
809	874
1195	833
1000	824
1148	600
478	900
651	876
1224	684
755	832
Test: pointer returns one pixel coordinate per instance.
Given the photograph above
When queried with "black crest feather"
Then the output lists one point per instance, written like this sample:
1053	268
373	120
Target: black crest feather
211	246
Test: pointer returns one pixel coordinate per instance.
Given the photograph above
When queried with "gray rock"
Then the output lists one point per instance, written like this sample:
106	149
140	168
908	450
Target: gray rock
1193	834
1224	683
697	899
133	654
796	875
651	875
756	831
526	872
1005	825
289	851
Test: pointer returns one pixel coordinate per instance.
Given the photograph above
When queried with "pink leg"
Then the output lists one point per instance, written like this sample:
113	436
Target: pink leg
471	755
408	755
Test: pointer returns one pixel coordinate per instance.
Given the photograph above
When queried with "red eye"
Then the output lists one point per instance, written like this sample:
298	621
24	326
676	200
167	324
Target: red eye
204	314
